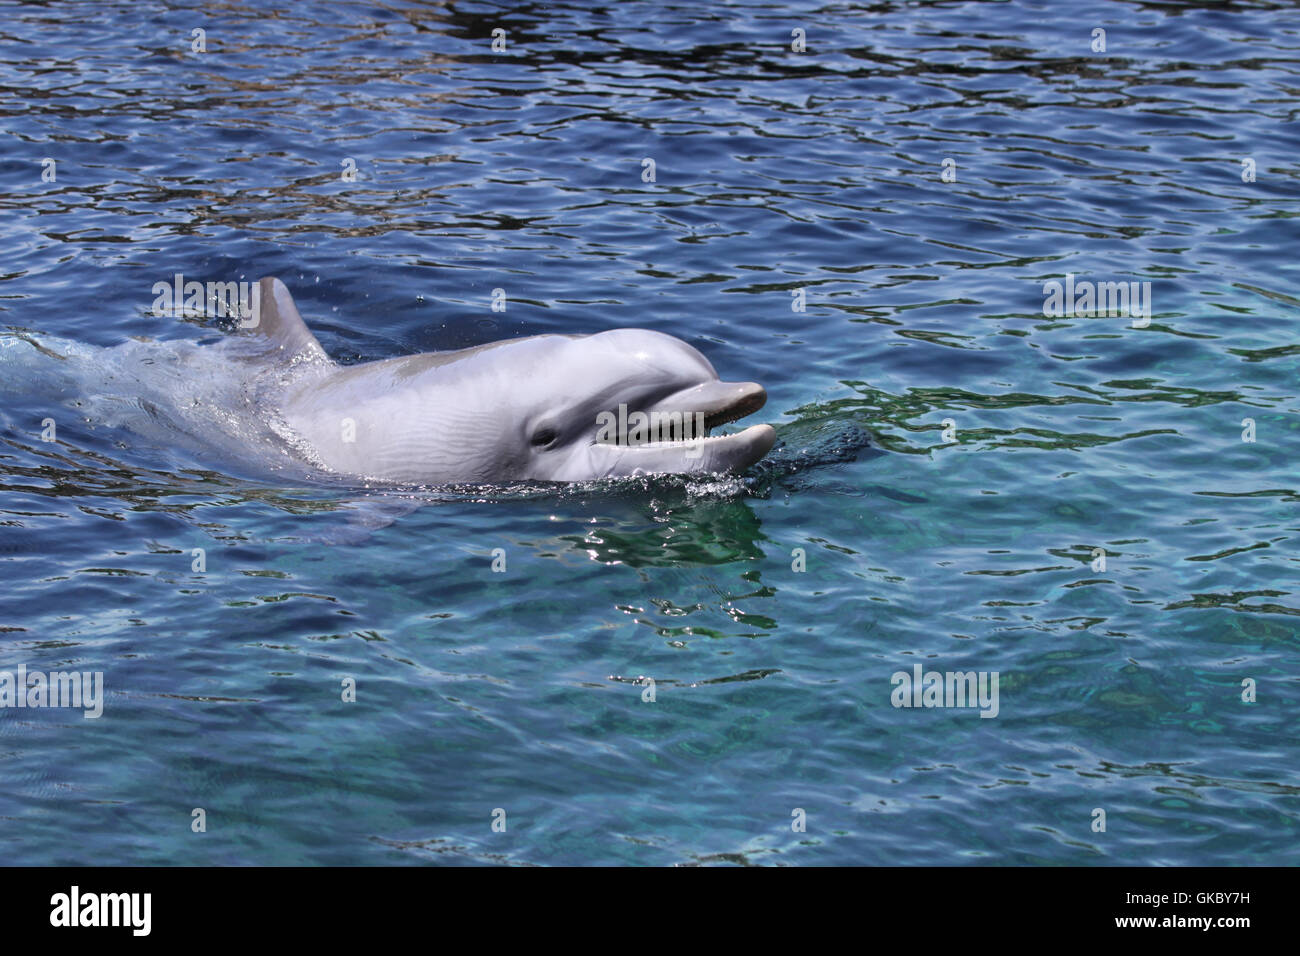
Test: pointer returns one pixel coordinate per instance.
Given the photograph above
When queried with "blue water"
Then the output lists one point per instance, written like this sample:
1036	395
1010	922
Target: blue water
478	690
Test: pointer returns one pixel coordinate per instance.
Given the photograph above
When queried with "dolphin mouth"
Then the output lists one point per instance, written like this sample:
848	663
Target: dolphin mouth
692	447
702	408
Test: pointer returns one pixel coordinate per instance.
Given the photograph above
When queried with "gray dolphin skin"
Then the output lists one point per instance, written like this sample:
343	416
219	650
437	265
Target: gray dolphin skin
518	410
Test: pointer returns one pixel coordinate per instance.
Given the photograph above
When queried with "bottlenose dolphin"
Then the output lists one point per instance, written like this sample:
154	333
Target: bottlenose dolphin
521	409
269	400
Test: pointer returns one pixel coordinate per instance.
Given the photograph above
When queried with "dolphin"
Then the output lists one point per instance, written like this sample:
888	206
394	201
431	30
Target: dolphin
527	409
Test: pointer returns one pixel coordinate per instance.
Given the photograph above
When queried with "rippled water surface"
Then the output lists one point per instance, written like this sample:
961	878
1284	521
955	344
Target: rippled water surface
1069	501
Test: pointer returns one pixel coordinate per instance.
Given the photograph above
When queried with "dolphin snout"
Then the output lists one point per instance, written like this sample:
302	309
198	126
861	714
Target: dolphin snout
720	402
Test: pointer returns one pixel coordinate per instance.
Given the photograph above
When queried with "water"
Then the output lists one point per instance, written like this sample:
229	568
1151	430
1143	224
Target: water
477	691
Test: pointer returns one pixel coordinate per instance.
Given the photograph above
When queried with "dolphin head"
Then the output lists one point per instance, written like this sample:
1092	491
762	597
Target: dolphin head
635	402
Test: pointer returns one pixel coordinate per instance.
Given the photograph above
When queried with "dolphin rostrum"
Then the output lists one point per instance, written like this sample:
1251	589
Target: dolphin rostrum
542	408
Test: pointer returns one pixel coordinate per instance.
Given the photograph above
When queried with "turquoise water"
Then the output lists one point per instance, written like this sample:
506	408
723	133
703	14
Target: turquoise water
516	690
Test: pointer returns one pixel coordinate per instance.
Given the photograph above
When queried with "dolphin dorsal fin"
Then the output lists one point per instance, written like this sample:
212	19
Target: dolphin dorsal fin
279	323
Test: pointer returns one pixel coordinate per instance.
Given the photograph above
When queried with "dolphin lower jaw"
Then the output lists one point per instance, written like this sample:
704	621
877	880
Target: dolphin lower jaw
718	455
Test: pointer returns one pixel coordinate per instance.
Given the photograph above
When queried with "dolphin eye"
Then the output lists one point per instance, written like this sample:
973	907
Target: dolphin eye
544	436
